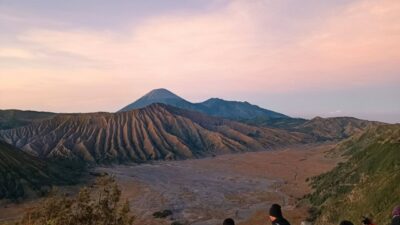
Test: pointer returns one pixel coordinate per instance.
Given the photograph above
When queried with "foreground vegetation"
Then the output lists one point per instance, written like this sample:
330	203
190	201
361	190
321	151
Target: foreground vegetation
367	183
98	205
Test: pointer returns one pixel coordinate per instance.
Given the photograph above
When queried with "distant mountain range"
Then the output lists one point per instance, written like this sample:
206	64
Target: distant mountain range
334	128
213	106
155	132
16	118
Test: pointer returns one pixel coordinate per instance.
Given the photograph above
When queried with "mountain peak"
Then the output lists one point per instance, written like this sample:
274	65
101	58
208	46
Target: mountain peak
213	100
160	95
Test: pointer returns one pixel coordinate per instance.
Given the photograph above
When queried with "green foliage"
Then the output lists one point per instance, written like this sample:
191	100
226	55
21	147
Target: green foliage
367	183
99	206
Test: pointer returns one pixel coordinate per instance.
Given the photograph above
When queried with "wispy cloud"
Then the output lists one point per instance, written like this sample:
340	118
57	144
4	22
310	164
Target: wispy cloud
16	53
243	46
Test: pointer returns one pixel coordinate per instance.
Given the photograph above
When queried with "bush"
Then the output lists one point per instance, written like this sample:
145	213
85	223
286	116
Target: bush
162	214
100	208
176	223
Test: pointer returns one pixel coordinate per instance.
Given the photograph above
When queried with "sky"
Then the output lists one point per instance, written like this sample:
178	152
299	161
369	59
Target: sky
301	58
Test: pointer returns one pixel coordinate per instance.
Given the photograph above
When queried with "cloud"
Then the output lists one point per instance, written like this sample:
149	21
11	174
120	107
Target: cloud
16	53
336	112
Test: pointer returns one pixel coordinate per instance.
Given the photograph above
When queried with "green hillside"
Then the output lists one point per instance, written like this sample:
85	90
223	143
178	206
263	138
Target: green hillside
22	175
367	183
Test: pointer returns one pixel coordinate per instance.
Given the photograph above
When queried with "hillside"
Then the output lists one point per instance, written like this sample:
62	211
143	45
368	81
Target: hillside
373	166
334	128
212	107
155	132
321	129
288	123
16	118
22	174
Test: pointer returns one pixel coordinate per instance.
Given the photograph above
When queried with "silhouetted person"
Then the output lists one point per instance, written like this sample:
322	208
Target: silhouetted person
229	221
396	216
346	222
396	220
275	214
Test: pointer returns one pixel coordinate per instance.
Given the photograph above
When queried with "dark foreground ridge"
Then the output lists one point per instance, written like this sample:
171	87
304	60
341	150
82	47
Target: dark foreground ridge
22	174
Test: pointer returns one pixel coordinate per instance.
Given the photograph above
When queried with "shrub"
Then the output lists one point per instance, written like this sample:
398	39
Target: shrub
176	223
162	214
100	208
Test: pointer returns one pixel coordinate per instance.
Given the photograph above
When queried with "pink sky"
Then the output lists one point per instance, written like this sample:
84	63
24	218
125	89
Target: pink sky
245	50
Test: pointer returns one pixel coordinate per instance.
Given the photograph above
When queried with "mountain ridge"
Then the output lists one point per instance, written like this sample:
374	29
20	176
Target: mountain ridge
11	118
334	128
155	132
213	106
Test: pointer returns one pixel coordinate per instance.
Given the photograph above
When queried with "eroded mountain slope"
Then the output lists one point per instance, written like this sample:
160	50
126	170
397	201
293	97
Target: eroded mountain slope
153	133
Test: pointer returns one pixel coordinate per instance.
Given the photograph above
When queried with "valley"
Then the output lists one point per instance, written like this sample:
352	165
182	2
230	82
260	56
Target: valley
178	162
205	191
